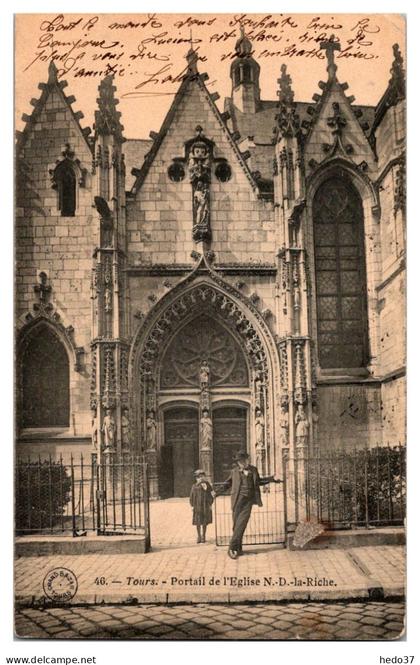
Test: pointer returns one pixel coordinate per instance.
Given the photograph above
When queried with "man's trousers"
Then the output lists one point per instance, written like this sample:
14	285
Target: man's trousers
241	514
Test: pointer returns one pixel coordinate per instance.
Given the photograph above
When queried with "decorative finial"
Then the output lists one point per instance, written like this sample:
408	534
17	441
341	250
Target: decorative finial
192	56
52	73
329	46
397	80
288	120
243	47
107	118
285	93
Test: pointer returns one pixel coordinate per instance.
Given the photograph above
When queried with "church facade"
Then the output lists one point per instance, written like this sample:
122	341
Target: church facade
235	282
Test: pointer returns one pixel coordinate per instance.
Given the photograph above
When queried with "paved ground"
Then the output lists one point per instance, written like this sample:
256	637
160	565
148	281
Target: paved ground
310	621
204	573
180	570
171	521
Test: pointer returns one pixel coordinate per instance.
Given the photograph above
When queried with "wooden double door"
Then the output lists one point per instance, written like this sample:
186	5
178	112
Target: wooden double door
180	452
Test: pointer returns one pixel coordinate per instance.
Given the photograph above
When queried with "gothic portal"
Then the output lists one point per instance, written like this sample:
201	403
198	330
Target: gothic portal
207	365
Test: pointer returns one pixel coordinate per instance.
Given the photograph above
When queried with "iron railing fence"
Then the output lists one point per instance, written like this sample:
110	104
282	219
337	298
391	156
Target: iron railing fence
266	524
79	495
342	489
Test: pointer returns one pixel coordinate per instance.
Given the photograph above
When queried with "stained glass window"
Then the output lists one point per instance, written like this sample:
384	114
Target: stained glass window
340	275
45	381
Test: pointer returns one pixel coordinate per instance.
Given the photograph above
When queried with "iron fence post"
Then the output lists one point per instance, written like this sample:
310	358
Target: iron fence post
366	488
73	503
146	506
402	510
390	506
95	469
285	458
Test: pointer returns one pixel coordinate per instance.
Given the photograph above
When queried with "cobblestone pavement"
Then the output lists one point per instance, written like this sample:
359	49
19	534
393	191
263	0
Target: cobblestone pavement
292	621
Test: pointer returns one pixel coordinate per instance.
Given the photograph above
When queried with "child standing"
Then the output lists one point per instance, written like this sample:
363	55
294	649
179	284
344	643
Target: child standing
201	499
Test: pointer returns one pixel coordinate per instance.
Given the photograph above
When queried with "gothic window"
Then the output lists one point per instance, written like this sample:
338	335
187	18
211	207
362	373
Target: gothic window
45	381
65	178
340	275
203	339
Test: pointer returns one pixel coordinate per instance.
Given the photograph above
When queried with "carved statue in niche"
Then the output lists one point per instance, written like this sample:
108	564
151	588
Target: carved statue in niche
199	168
108	300
201	208
151	431
302	426
108	429
204	374
284	425
206	431
95	430
125	429
259	429
259	385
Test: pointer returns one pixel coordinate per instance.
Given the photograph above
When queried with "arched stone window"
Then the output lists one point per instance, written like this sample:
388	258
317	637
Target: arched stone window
45	394
65	178
340	275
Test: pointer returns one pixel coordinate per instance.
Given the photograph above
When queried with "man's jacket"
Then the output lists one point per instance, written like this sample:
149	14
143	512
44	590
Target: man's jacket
234	482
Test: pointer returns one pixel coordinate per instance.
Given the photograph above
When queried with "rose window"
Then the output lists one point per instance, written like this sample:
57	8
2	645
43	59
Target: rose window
203	340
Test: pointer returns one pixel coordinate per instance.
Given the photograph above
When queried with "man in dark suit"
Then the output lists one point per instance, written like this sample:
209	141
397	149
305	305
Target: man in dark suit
244	482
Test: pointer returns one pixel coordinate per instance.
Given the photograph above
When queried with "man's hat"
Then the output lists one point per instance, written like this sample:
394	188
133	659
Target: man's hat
199	472
241	455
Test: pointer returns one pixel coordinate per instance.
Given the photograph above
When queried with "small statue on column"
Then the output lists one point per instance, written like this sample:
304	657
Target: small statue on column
108	300
204	375
125	429
206	431
284	425
151	431
260	441
302	427
259	429
206	441
95	430
108	429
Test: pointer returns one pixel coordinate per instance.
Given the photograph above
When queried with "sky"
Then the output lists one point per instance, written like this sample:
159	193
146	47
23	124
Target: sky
146	52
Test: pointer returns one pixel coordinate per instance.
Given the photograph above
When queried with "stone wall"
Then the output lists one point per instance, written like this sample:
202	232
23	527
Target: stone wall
394	411
59	246
349	415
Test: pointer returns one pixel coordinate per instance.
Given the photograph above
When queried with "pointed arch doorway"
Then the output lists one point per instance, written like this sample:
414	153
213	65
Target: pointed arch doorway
202	339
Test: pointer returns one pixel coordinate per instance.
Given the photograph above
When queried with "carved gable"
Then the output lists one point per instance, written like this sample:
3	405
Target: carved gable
163	214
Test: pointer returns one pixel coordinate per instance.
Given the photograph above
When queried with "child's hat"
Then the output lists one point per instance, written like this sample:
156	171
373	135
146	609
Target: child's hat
199	472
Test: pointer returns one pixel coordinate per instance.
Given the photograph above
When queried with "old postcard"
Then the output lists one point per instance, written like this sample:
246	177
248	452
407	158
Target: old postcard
210	326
